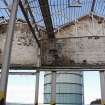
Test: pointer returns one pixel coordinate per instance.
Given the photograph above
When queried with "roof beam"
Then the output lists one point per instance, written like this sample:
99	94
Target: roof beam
29	24
20	73
44	6
32	17
6	4
93	5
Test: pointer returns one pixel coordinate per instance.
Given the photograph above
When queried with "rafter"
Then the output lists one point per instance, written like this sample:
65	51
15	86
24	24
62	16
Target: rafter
6	4
29	24
47	18
93	5
32	17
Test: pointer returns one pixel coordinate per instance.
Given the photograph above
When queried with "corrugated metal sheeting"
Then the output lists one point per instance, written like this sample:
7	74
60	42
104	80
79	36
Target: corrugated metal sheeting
61	10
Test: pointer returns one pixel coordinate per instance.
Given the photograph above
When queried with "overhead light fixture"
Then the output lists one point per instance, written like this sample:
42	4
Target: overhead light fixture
74	3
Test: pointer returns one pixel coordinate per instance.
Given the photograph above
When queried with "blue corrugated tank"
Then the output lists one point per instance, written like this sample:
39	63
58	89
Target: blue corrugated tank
69	88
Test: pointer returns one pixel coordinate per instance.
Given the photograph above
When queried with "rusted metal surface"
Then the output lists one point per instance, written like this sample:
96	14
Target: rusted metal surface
44	6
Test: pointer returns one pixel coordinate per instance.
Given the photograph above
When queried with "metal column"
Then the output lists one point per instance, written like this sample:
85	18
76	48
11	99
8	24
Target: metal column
37	77
53	88
102	81
37	87
7	53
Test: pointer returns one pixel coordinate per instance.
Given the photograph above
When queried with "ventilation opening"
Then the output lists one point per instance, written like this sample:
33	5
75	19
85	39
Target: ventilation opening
74	3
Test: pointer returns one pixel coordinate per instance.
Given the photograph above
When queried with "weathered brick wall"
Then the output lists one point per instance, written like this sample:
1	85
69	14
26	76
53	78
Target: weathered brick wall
24	50
82	43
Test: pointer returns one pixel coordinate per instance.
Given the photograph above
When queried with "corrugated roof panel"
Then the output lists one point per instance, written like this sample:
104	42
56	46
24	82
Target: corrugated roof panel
62	11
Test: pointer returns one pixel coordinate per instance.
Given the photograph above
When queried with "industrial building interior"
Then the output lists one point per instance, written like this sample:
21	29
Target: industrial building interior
55	42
